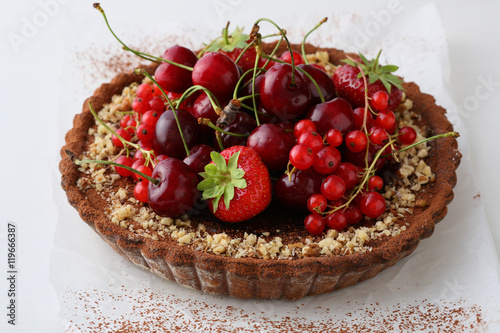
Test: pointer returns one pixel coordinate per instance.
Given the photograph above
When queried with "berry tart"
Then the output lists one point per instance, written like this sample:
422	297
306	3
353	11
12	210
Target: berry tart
284	170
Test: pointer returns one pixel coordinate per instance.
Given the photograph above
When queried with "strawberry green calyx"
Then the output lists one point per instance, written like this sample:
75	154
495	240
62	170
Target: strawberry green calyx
374	72
220	179
236	40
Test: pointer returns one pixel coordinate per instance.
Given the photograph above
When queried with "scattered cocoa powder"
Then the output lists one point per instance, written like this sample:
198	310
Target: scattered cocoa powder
149	311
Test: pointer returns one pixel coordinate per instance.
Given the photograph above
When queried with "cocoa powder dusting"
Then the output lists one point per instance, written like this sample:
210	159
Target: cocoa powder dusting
147	311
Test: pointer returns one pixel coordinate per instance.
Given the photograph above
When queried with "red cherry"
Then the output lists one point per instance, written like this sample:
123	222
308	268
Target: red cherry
327	160
174	78
386	119
316	203
145	92
301	157
128	161
324	81
336	113
349	174
333	187
379	100
216	72
356	141
272	144
167	138
314	223
303	126
372	204
407	135
297	58
141	191
124	134
176	194
281	97
334	137
337	220
311	140
377	135
294	192
199	157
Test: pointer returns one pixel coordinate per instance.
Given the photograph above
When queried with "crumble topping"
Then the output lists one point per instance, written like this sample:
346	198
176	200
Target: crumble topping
128	213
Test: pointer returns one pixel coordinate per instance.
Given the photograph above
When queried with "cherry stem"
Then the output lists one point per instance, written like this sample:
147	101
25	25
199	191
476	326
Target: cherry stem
213	100
321	97
208	122
143	55
146	74
257	59
243	51
80	162
444	135
287	43
307	35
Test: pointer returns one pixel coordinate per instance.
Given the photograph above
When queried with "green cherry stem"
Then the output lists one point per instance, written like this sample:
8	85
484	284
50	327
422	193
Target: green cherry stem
80	162
307	35
144	72
143	55
287	43
206	121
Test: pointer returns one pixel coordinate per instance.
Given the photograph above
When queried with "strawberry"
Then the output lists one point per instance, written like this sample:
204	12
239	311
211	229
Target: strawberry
238	176
349	84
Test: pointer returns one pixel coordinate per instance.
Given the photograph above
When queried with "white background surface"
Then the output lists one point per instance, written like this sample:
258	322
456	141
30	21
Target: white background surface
31	124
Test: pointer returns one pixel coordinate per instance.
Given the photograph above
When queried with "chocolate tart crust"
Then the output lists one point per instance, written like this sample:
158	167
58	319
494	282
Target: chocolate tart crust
258	278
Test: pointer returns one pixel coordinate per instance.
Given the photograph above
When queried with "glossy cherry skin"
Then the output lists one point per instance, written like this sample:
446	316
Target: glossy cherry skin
294	193
242	124
199	156
167	137
202	108
216	72
176	193
272	144
171	77
324	81
280	97
336	113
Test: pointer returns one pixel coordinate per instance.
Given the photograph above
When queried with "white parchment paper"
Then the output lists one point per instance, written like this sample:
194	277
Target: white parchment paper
450	283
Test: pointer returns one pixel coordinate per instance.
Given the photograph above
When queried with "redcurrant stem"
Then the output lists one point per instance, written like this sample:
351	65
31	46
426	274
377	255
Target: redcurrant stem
80	162
208	122
287	43
146	74
307	35
444	135
143	55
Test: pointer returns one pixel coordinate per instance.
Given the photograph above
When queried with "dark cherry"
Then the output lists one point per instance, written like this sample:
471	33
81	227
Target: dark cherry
199	156
295	192
272	144
247	88
171	77
288	126
176	193
280	97
167	137
336	113
242	124
324	81
202	108
216	72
